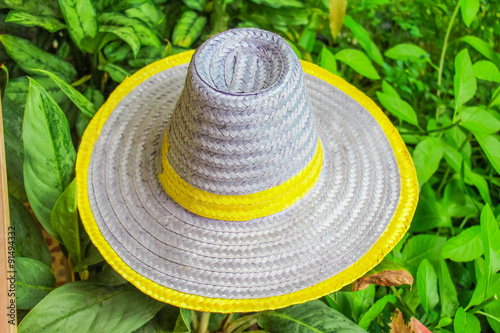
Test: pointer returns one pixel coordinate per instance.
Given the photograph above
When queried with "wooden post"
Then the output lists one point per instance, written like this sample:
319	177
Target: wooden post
8	320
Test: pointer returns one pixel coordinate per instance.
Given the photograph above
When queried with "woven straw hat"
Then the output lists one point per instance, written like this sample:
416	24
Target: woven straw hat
239	179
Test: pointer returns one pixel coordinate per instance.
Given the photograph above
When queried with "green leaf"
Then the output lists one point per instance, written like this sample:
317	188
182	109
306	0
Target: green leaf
358	61
164	321
87	307
328	61
188	29
427	286
447	291
430	213
375	310
107	276
426	157
117	5
486	70
183	323
147	13
466	323
81	19
28	20
387	89
407	52
34	280
467	246
145	35
307	39
127	34
491	147
4	80
49	155
198	5
337	10
29	57
76	97
464	80
489	234
364	40
64	220
422	247
117	73
35	7
311	317
29	239
398	107
479	121
279	3
482	47
362	300
469	10
482	281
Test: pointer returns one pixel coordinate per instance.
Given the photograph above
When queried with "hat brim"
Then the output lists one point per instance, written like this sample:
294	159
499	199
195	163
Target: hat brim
392	231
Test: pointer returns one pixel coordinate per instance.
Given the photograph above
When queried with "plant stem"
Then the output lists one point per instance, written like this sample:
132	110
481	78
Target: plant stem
194	320
205	317
434	130
246	325
445	45
227	321
445	178
482	305
488	315
239	322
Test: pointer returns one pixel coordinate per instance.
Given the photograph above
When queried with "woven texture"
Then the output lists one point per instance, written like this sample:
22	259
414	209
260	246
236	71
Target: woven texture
268	262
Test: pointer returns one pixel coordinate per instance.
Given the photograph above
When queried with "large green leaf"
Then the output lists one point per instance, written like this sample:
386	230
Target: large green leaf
188	29
127	34
430	212
464	80
164	321
479	121
375	310
29	239
117	5
28	20
469	10
482	47
466	246
81	19
486	70
35	7
358	61
76	97
447	291
407	52
426	157
49	155
389	90
198	5
398	107
147	13
279	3
427	286
29	57
87	307
117	73
466	322
64	220
422	247
364	40
183	323
145	35
491	147
328	61
34	280
311	317
489	236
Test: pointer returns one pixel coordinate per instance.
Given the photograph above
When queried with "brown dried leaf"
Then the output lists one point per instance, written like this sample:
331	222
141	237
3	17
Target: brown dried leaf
385	278
398	324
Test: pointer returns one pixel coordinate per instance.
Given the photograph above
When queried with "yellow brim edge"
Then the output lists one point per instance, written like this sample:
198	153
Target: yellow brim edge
391	236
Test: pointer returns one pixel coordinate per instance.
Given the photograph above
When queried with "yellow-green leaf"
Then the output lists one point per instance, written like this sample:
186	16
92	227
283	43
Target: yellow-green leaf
337	13
28	20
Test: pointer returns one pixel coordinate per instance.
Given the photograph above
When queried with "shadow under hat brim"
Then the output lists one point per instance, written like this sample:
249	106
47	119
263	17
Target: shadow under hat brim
394	231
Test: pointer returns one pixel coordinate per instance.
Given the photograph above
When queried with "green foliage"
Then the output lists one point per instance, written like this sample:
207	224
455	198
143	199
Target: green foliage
434	69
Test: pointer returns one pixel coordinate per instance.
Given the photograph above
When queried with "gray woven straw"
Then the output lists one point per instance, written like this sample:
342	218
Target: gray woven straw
241	118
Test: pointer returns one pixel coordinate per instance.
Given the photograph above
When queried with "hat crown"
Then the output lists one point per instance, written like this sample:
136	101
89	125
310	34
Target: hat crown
243	123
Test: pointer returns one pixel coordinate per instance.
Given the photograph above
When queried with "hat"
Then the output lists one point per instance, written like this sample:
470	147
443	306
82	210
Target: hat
237	178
